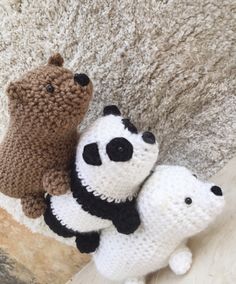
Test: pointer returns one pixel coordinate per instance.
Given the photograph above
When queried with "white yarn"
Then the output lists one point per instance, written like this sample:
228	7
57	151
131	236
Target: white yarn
167	221
71	215
115	181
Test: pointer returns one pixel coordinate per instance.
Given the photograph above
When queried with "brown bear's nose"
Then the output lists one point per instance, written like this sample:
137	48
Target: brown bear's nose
81	79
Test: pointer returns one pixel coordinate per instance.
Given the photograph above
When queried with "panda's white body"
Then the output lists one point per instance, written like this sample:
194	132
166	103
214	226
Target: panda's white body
112	161
82	221
167	221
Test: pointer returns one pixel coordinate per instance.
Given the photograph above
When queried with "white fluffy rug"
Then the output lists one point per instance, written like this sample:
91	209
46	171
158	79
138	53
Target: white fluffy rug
170	65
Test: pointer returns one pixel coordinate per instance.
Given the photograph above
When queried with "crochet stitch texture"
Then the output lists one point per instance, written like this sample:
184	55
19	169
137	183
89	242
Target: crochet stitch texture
173	206
45	105
104	179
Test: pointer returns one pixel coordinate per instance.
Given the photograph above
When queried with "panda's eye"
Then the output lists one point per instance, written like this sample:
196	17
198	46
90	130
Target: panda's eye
119	149
195	175
50	88
188	200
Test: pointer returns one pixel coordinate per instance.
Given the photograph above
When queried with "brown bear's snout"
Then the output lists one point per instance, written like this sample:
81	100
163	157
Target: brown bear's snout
82	79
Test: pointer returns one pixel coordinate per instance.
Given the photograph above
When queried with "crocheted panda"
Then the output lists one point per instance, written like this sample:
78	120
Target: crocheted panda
173	205
112	161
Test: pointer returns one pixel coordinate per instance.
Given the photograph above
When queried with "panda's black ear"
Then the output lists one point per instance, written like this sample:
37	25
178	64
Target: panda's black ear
111	109
91	154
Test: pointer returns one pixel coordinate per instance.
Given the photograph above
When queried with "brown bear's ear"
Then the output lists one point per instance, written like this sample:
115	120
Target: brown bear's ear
56	59
13	90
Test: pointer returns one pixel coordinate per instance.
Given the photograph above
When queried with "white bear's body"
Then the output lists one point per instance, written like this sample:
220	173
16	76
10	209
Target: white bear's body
167	221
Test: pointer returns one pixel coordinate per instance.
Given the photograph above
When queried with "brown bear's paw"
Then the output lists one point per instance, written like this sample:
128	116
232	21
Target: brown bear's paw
33	206
56	182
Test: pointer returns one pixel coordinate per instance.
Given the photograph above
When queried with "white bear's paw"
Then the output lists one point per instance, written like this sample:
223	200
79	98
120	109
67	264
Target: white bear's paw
135	281
180	263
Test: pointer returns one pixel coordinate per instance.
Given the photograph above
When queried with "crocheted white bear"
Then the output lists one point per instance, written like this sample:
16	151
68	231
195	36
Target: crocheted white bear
173	205
112	161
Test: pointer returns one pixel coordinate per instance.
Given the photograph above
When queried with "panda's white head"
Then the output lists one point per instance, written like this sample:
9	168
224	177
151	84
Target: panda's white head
175	200
113	158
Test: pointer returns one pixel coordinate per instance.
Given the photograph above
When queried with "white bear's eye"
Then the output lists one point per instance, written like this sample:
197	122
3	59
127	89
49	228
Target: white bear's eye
188	200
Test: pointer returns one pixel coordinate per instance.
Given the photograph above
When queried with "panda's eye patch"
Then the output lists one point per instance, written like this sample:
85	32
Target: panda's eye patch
195	175
188	200
91	155
119	150
129	125
50	88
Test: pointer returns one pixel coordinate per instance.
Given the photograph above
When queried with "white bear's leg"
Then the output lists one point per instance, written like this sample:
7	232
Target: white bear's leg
140	280
180	260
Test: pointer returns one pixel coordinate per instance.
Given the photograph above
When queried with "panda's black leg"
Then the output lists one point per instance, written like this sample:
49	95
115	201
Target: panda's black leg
87	242
127	221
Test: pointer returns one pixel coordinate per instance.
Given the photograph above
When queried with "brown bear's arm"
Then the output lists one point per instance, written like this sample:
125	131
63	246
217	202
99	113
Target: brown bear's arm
33	205
56	182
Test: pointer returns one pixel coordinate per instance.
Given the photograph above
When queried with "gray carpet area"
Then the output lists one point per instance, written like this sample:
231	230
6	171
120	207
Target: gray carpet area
12	272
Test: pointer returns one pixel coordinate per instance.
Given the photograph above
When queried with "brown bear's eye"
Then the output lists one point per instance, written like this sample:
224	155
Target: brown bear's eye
50	88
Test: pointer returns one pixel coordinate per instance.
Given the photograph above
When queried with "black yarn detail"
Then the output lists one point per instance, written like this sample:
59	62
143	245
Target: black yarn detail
82	79
54	224
91	154
87	242
124	215
129	125
111	109
119	149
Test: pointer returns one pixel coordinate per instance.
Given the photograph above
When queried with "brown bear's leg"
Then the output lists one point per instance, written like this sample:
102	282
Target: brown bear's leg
56	182
33	205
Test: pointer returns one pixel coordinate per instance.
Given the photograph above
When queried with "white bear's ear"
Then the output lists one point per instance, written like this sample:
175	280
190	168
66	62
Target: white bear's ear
56	60
111	109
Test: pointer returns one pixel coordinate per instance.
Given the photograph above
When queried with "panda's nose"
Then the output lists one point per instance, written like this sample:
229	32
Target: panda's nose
217	190
149	137
81	79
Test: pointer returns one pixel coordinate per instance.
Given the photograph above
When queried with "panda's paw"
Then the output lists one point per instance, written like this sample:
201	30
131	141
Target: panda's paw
87	242
127	222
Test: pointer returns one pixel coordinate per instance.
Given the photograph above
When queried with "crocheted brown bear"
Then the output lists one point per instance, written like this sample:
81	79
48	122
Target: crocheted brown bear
46	105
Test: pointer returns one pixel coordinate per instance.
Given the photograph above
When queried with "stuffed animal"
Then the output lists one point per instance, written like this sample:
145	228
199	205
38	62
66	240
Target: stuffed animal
46	105
173	205
112	161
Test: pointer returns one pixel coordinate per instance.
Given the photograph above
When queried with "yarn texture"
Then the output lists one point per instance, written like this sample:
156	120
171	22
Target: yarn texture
45	106
104	179
167	222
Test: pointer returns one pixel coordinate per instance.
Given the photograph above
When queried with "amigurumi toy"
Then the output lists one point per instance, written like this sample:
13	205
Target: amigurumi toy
46	105
112	161
173	206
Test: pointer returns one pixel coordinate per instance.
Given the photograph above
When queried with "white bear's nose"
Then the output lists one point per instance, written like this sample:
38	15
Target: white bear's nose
217	190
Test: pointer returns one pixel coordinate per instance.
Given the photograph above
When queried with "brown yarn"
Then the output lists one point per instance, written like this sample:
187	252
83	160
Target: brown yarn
41	138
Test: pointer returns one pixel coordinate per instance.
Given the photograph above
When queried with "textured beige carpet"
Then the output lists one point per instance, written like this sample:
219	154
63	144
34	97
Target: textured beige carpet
170	65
